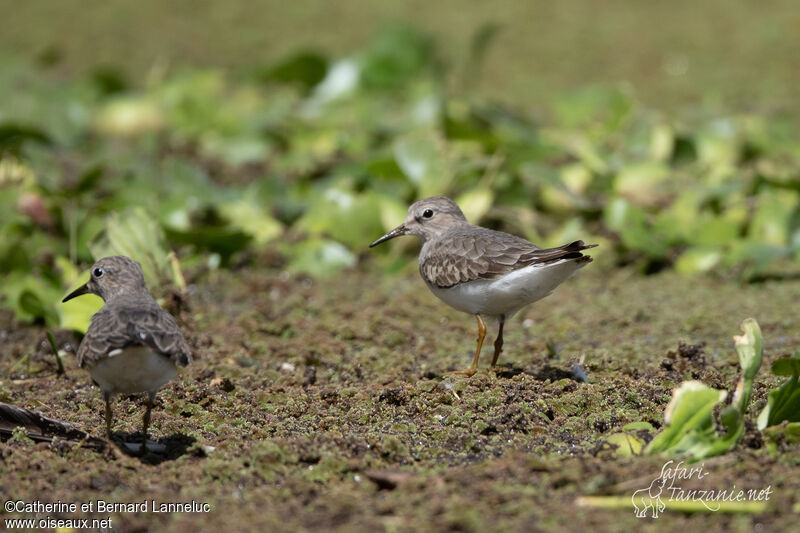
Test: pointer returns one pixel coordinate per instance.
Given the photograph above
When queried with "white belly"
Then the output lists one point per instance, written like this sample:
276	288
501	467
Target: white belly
510	293
134	369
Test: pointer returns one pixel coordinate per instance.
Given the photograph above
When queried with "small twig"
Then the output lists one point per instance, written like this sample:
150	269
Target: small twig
54	346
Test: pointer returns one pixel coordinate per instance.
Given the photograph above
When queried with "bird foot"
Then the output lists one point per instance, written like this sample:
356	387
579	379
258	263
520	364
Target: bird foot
468	372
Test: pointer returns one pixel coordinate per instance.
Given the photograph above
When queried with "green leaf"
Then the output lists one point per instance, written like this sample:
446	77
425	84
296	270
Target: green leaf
607	107
422	157
129	116
13	136
638	426
688	419
626	444
246	214
690	430
32	304
30	297
320	258
306	69
787	366
393	212
350	218
222	240
771	222
630	222
475	203
698	260
398	53
783	403
136	234
76	314
643	184
749	346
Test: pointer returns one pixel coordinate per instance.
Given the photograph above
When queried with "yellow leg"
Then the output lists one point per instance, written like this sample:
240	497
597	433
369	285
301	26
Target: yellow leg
474	366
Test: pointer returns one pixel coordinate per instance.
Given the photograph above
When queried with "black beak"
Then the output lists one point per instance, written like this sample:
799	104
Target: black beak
83	289
396	232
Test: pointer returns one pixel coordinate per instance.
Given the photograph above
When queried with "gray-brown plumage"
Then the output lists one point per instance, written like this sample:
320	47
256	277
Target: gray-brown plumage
132	345
466	253
482	271
133	321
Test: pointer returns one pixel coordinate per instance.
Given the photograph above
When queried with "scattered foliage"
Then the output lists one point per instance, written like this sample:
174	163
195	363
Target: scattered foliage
324	154
689	418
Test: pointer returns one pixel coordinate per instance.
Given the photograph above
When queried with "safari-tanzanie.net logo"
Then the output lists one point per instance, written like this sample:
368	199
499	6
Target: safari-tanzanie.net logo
668	488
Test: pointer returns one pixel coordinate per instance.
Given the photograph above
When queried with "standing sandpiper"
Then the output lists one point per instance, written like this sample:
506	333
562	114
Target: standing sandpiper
132	345
482	271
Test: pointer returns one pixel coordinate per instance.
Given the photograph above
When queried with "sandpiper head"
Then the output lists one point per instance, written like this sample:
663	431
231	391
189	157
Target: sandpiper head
112	276
427	219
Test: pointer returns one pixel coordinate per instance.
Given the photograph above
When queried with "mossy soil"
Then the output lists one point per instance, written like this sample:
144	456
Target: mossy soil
327	405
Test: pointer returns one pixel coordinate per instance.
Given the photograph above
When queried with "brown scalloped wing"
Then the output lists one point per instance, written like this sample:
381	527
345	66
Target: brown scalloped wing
115	327
487	254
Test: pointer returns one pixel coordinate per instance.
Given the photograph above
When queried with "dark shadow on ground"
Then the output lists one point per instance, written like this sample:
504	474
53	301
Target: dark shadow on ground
164	449
546	373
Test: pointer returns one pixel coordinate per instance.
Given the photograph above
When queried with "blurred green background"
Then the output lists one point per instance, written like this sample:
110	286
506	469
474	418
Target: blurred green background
293	134
745	54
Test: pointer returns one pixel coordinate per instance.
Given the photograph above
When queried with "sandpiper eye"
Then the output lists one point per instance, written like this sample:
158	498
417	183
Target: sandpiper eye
428	213
98	272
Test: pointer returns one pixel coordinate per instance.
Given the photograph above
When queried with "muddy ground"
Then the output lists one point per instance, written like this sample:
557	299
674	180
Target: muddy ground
327	404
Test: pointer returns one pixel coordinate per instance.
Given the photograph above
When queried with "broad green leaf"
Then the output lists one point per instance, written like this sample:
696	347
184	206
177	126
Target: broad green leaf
249	216
422	157
398	53
690	430
787	366
345	216
638	426
643	184
662	142
129	116
688	419
134	233
783	403
30	303
320	258
14	172
771	222
698	260
393	213
222	240
718	143
576	178
13	136
607	107
76	314
714	231
626	444
305	68
630	222
31	297
680	220
475	203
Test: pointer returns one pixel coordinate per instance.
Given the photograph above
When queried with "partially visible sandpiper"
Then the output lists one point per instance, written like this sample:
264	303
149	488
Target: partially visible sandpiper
481	271
132	345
